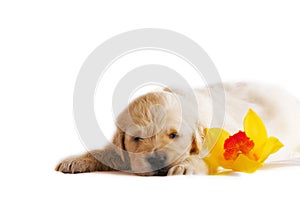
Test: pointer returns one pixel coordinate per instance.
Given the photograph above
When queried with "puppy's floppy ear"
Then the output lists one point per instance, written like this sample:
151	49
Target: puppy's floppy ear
195	147
197	141
119	142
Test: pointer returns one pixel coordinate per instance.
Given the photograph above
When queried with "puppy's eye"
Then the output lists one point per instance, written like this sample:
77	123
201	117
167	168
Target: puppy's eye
173	135
137	139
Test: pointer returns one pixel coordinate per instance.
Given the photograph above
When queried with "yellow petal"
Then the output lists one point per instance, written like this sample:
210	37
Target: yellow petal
244	164
215	138
214	144
272	145
255	130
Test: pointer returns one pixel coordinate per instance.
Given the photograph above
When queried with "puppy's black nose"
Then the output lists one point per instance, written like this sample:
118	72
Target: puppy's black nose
157	161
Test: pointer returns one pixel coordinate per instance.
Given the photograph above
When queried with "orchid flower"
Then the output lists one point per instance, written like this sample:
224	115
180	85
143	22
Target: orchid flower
244	151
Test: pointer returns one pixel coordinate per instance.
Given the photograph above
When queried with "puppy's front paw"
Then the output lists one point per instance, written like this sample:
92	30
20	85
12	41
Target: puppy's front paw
76	165
182	169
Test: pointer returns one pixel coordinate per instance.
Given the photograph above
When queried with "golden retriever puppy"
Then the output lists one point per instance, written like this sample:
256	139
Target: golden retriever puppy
162	132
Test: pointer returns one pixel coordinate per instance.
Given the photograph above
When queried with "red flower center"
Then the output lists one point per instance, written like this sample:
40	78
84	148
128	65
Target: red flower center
237	144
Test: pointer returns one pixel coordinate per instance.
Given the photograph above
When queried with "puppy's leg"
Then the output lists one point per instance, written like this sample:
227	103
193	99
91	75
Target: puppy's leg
80	164
192	165
97	160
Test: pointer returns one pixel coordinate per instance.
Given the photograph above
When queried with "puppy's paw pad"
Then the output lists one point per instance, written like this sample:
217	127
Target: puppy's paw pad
75	165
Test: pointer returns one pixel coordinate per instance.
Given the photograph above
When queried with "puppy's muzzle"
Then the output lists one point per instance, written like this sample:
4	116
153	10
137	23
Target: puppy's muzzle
157	161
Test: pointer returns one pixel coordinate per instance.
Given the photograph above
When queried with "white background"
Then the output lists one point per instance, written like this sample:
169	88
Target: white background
43	45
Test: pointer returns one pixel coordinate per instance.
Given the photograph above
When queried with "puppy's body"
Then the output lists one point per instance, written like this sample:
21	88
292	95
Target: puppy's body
162	132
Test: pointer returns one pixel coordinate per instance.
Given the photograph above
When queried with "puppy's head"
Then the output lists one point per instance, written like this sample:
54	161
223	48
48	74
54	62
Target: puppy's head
157	131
